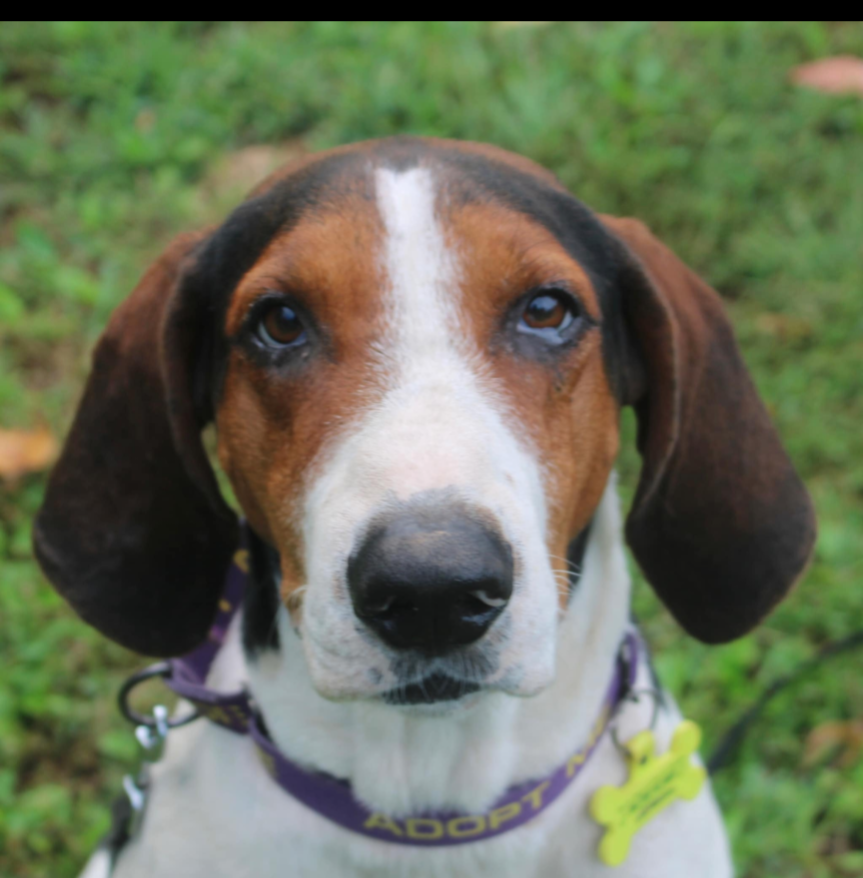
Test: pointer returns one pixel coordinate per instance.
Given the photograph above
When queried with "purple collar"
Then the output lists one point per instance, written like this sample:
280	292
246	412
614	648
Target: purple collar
332	798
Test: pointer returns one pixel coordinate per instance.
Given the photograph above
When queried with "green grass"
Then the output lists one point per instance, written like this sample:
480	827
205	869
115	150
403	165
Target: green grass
114	136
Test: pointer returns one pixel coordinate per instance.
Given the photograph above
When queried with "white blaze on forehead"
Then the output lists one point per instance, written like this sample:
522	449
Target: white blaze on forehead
421	271
442	424
433	404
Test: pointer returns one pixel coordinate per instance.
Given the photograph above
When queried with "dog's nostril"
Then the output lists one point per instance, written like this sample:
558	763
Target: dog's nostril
382	607
487	599
388	608
476	613
431	579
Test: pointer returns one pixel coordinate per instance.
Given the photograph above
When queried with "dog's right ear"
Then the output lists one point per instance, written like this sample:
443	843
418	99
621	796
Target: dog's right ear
133	531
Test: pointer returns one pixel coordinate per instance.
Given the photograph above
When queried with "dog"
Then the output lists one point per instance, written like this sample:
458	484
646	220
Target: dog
415	353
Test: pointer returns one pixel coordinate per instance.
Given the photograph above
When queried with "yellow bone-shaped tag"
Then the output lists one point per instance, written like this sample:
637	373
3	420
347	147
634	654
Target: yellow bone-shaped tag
654	783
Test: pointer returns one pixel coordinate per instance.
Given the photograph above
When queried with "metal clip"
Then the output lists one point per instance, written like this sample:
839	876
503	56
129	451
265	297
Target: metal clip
152	737
634	697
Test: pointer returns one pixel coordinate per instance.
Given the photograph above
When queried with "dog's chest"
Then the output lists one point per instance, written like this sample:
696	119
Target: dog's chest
215	813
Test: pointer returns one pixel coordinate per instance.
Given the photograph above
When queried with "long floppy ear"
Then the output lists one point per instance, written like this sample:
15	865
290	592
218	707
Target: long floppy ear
133	531
721	524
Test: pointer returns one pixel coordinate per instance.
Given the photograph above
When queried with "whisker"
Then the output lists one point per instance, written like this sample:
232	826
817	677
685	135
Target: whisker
564	583
575	568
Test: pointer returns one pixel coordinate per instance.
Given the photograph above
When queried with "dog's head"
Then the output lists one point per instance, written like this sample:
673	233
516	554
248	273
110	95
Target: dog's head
415	353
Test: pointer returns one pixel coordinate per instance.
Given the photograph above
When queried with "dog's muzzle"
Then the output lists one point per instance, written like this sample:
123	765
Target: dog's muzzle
430	578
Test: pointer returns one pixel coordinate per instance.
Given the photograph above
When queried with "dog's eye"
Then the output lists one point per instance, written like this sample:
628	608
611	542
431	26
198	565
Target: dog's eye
548	314
280	327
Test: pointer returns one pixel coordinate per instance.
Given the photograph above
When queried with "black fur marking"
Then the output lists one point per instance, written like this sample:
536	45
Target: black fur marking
575	557
117	836
261	603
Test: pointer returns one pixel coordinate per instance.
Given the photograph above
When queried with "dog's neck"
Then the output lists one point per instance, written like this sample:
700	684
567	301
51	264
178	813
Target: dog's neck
408	760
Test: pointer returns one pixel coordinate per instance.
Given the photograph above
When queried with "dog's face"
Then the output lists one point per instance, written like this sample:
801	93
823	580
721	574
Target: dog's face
417	415
415	354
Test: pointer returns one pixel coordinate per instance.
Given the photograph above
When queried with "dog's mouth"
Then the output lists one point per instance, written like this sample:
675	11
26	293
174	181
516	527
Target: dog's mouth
431	690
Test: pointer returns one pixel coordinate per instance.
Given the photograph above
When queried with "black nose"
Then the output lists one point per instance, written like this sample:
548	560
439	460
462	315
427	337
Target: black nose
430	578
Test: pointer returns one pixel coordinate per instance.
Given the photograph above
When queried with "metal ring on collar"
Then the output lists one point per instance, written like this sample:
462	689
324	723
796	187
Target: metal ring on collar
160	669
634	697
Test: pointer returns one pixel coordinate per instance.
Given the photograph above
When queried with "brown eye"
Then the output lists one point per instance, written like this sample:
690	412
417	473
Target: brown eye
548	315
280	327
545	312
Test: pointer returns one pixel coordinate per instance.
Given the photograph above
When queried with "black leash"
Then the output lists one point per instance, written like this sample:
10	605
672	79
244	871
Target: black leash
724	751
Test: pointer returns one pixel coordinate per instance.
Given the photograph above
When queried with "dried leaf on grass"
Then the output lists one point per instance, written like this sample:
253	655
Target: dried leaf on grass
842	74
846	736
26	451
785	327
234	174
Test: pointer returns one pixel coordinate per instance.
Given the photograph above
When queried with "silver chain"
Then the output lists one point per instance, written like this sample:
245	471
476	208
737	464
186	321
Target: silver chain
152	738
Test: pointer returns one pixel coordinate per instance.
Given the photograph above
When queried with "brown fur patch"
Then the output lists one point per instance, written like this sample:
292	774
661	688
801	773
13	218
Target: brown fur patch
273	428
565	410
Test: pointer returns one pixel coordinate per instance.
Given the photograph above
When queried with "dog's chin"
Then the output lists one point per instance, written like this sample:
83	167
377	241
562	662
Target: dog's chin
436	688
436	694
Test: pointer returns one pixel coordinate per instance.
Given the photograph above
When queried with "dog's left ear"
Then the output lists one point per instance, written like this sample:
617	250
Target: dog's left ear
721	524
